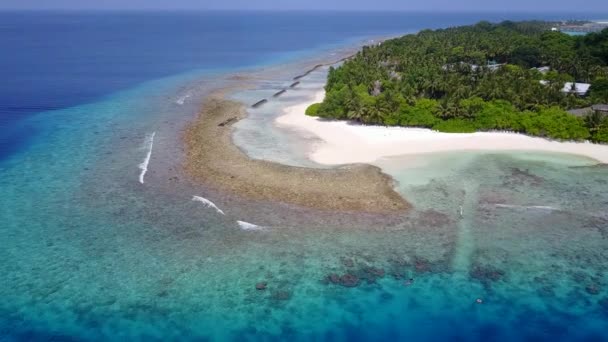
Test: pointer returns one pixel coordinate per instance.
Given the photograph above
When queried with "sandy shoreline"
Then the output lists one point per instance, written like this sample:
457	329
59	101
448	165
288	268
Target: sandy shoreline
213	159
344	143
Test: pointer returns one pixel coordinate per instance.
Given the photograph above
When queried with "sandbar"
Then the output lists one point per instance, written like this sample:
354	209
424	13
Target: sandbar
214	160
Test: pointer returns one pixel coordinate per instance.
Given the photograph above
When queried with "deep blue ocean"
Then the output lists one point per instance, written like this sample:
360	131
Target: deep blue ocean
88	253
54	60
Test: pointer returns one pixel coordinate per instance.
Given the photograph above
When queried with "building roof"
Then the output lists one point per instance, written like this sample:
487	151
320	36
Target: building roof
580	111
543	69
587	110
579	88
491	65
600	107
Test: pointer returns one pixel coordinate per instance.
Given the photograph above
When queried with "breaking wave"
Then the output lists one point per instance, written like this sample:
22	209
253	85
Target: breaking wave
207	203
537	207
249	226
144	165
182	99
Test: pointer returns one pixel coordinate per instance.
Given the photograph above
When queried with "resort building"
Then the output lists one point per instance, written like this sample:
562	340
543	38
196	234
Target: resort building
580	89
582	28
490	65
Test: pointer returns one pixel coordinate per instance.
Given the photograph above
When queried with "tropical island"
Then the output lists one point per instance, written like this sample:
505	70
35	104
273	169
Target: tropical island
512	76
486	77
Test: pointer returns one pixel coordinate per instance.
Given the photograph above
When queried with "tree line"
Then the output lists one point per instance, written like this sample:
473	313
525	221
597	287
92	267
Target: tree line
475	78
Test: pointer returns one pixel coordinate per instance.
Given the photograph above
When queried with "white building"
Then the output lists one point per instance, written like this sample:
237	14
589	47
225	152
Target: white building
580	89
543	70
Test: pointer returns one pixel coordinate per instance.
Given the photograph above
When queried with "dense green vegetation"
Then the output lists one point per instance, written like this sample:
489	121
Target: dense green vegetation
473	78
313	110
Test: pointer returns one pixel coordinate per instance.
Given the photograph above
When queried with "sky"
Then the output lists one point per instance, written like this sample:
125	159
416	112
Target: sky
359	5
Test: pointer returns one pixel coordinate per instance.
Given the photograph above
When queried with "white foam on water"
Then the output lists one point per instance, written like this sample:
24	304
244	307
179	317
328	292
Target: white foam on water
515	206
144	165
249	226
183	99
207	203
542	207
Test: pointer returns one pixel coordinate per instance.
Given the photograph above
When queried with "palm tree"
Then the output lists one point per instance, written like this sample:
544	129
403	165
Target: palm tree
352	102
371	115
462	91
445	109
355	114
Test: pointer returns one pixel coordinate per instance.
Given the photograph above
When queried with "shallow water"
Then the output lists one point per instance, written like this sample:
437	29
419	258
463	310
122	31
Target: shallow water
160	266
258	135
90	253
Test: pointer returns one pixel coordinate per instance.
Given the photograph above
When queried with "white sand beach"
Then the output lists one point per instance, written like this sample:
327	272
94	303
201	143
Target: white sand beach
344	142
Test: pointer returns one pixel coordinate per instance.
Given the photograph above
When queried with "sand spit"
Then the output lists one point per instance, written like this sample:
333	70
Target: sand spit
212	158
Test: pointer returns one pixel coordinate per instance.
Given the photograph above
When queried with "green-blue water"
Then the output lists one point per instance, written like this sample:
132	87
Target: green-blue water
90	253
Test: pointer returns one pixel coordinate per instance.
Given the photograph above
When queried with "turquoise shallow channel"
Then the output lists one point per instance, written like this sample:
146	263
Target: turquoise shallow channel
498	247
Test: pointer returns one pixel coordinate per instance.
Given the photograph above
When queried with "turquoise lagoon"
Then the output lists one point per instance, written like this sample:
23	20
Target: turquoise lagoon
89	253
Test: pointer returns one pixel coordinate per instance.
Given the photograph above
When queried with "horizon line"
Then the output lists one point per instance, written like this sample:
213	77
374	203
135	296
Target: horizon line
426	11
